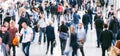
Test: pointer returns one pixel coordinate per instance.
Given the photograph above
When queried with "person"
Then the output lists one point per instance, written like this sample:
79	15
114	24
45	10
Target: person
3	51
63	35
99	27
118	35
114	26
12	30
81	37
106	38
73	41
33	24
27	35
5	35
42	26
86	21
7	18
76	19
50	37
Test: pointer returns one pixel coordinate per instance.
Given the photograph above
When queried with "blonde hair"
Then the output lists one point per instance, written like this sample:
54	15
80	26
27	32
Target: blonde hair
72	29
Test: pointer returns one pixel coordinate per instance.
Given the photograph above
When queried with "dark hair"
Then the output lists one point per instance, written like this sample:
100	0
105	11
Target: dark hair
105	26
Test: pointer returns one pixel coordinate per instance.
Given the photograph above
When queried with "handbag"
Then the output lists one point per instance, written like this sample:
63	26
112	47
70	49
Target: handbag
64	35
15	41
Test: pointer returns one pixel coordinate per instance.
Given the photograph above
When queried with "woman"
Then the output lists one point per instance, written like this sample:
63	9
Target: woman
73	41
13	30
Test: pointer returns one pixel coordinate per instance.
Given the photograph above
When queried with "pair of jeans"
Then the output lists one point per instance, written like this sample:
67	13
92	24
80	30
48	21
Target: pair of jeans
25	48
33	34
63	45
82	51
86	28
48	44
114	38
103	50
42	30
74	52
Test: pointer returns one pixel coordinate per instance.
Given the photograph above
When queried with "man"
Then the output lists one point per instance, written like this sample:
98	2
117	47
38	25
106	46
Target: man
42	26
63	35
99	27
106	37
86	21
50	37
4	34
27	35
114	26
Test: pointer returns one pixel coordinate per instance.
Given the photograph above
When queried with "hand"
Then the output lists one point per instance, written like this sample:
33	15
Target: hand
7	47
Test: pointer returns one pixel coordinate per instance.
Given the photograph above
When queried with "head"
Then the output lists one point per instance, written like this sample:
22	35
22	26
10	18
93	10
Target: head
72	29
112	7
12	23
31	17
105	26
80	25
4	28
24	25
6	24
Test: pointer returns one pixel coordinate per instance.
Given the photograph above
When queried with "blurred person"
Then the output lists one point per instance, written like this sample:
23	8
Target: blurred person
76	18
106	37
33	24
86	20
114	26
5	35
63	35
81	38
1	15
99	27
42	26
12	30
41	8
11	11
73	41
50	33
59	12
47	9
7	18
111	12
35	14
27	35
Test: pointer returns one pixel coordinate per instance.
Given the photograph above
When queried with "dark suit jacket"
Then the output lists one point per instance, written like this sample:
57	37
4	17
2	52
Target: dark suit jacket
50	33
86	19
106	38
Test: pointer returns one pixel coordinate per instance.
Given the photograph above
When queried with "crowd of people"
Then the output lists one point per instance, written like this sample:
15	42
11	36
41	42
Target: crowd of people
38	16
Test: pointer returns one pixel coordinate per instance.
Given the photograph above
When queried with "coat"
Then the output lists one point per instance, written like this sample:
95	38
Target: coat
50	33
86	19
106	38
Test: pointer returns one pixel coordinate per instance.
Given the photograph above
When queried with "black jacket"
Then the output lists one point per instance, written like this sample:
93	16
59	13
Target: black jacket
50	33
99	23
106	38
5	37
86	19
63	28
114	25
73	39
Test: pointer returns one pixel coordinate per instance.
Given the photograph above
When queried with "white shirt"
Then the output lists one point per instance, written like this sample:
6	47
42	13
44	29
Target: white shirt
27	34
42	23
81	34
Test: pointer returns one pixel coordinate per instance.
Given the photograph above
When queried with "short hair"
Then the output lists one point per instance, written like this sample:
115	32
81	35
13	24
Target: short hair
105	26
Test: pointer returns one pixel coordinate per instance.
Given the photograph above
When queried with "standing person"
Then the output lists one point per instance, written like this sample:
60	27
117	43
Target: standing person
42	26
106	38
50	37
12	30
33	24
99	27
114	26
63	35
81	37
5	35
27	34
73	41
86	20
76	19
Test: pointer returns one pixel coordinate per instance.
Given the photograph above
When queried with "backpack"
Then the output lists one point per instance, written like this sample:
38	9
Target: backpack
59	8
